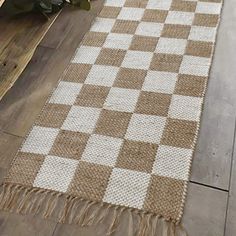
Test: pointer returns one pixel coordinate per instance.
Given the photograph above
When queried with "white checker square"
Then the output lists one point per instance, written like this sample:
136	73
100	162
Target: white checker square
81	119
102	25
56	173
200	33
85	54
130	13
114	3
172	162
159	4
121	99
102	150
66	93
195	65
208	7
171	46
127	188
180	17
40	140
102	75
185	107
137	60
146	128
120	41
160	82
151	29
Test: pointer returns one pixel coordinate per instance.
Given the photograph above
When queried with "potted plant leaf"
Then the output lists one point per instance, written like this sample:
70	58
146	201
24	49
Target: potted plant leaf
45	7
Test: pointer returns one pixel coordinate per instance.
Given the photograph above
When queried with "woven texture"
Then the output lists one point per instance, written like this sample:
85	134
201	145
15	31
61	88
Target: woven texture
122	124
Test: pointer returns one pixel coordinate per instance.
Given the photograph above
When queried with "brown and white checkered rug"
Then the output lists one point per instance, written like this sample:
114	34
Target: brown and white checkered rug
121	126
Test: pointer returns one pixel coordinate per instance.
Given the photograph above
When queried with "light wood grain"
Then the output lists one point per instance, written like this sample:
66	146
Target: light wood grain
1	2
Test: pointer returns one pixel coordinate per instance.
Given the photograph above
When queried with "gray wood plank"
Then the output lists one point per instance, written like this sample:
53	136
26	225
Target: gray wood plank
2	174
21	37
230	228
9	144
212	158
27	94
205	211
21	105
19	225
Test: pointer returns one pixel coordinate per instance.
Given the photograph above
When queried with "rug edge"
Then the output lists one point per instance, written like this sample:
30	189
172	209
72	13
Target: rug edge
67	209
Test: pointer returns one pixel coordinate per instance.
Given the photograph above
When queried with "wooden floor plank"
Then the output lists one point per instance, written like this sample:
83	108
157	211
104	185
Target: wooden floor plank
9	145
25	100
2	174
28	94
212	160
205	211
21	37
230	228
19	225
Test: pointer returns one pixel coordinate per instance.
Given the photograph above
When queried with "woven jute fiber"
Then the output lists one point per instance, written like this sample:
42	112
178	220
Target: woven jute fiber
118	133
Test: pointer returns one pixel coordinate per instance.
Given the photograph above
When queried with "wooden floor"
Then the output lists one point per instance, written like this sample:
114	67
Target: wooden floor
211	202
19	37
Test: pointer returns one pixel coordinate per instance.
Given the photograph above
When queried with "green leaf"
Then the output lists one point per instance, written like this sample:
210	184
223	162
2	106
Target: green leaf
14	7
85	4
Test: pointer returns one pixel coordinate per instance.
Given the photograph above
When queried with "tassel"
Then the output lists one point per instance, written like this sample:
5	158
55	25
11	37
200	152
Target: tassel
72	209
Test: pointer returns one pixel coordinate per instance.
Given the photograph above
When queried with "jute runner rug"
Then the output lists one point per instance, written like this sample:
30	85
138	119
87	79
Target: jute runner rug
118	133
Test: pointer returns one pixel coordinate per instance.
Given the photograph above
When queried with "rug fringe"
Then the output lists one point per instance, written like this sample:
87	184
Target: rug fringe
74	210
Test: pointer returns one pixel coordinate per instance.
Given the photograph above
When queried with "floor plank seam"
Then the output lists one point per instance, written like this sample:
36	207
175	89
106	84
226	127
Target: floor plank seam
209	186
18	136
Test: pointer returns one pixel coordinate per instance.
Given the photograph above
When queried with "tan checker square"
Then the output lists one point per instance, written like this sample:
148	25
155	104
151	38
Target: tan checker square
112	57
208	20
180	5
110	12
125	27
166	62
53	115
113	123
92	96
151	15
143	43
77	72
94	39
69	144
90	181
136	3
190	85
164	196
130	78
176	31
179	133
153	103
137	156
25	168
199	48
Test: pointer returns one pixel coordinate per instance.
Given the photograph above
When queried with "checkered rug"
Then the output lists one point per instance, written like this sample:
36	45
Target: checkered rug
120	128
